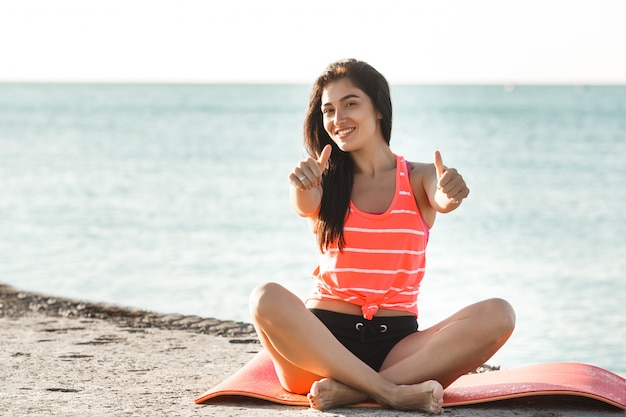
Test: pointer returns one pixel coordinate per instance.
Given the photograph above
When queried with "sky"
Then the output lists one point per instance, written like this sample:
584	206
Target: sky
292	41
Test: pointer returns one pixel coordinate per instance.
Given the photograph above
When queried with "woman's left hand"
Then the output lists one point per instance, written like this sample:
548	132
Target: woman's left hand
450	184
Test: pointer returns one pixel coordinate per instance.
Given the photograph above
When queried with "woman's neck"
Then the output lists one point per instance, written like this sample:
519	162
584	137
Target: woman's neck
372	162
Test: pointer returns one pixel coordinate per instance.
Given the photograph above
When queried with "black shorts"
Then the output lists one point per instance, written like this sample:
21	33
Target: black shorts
369	340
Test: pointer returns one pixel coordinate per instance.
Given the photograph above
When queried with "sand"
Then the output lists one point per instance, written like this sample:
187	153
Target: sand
64	357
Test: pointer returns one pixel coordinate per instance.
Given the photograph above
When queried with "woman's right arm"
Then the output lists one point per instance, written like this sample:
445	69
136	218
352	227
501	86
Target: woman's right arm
305	203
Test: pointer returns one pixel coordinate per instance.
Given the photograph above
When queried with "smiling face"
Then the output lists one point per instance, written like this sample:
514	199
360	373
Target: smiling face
349	116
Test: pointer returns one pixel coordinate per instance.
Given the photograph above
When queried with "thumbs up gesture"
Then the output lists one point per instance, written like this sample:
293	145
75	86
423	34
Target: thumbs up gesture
308	173
451	188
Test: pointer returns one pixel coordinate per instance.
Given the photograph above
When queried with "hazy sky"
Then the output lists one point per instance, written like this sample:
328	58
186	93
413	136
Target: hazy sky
456	41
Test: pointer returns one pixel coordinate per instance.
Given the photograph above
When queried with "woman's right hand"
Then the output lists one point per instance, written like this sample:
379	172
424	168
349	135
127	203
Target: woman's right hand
308	173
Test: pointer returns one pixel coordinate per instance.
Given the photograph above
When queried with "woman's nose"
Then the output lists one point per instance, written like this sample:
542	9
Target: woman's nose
339	118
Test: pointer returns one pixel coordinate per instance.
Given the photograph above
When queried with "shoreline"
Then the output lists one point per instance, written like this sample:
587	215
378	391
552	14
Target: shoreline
15	303
65	357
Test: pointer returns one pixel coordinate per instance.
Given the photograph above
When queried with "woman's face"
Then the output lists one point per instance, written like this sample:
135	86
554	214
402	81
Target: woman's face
349	115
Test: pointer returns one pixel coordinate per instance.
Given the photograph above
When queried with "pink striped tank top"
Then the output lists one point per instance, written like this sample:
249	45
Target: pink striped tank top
382	264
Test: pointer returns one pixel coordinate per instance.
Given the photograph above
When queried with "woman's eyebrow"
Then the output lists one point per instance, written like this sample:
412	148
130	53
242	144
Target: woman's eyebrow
349	96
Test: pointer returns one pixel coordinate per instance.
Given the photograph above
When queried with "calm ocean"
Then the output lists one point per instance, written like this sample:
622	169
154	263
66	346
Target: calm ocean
174	198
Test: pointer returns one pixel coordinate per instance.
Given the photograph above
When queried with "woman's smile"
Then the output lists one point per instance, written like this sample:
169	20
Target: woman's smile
344	132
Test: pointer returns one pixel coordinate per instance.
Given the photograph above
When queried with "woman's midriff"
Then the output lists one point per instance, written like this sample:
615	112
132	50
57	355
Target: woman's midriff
347	308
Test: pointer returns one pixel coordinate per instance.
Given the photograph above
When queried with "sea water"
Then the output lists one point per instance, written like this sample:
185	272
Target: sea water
173	198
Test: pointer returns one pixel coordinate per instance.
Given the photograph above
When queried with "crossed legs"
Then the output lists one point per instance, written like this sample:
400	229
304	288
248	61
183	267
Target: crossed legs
309	359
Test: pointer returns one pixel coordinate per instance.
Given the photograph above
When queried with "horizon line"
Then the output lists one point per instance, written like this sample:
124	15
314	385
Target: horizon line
506	83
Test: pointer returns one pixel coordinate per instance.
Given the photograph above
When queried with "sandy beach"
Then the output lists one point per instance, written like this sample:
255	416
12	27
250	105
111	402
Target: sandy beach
63	357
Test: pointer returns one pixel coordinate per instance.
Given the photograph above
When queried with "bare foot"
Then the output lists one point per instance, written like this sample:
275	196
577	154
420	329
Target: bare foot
327	393
427	396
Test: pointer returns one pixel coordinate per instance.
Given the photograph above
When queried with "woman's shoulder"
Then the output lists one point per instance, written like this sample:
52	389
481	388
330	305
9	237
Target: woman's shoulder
418	172
419	168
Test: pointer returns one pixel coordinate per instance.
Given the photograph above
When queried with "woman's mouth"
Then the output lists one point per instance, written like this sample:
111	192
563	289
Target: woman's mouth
344	132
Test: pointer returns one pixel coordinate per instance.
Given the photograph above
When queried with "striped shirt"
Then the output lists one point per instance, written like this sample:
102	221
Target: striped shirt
382	264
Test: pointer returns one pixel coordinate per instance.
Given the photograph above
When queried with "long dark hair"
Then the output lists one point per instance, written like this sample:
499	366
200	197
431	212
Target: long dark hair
338	180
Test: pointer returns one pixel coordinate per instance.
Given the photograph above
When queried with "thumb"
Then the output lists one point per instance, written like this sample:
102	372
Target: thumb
324	156
438	164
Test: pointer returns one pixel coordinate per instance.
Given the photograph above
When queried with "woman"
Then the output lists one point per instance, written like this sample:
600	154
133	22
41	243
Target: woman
355	338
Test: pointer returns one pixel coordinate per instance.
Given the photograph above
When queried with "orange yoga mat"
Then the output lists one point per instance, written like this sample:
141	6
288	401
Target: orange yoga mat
258	379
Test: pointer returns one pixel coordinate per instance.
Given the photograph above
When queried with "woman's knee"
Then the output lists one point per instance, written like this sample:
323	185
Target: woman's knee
266	297
501	313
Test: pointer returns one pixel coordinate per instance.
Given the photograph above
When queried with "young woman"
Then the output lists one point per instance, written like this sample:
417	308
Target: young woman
355	338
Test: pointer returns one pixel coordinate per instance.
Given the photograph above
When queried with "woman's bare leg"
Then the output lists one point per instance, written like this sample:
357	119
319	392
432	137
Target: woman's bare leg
443	352
453	347
302	348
